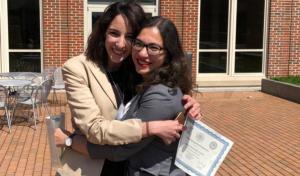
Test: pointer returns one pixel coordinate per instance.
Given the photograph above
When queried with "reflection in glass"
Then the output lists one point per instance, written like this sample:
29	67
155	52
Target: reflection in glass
212	62
24	62
248	62
24	24
95	16
214	24
250	24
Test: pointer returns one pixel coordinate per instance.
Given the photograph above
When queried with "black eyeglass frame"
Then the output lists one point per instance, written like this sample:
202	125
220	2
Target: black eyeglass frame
152	48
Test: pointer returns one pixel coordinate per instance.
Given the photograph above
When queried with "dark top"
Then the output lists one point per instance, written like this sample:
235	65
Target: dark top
151	155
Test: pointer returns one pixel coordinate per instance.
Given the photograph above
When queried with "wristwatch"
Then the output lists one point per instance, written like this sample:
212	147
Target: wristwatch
68	141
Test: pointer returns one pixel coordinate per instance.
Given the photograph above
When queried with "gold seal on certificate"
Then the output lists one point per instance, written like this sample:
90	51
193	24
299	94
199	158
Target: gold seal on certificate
201	149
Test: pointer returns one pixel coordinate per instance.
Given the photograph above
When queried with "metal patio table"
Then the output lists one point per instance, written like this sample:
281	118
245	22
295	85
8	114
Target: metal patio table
14	82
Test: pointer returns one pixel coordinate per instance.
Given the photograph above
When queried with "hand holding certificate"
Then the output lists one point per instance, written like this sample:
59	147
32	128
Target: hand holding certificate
201	150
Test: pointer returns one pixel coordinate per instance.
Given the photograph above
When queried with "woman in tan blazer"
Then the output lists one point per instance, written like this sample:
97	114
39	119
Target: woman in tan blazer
94	96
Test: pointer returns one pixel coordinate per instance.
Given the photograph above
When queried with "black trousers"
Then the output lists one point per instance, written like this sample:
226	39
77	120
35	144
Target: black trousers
111	168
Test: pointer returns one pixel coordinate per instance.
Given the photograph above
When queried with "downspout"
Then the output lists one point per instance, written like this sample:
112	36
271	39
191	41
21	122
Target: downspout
290	37
182	20
68	30
60	31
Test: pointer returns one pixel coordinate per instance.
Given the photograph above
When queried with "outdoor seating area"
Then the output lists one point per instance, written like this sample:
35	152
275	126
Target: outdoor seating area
264	129
26	92
242	58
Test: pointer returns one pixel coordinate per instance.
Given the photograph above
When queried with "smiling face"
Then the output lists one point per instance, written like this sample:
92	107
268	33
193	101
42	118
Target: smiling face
117	42
145	63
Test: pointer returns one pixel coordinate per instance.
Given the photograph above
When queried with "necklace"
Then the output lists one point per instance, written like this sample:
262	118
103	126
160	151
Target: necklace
116	88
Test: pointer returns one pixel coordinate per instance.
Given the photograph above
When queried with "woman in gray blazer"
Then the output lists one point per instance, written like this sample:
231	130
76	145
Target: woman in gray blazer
158	56
94	97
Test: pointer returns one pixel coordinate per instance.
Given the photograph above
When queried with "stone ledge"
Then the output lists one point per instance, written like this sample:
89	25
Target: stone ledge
283	90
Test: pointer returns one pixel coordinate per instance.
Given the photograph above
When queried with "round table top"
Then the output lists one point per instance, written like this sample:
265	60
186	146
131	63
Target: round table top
14	82
15	74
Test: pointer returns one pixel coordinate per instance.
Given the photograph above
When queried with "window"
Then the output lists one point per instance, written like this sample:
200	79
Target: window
24	45
231	37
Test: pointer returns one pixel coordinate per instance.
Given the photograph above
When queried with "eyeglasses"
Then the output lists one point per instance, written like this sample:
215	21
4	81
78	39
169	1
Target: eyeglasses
152	49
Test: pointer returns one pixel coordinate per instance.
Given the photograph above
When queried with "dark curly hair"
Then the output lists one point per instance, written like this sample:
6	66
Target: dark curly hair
174	71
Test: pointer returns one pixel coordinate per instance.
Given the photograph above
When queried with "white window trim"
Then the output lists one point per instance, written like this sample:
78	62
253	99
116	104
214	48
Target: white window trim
4	38
231	76
42	36
88	19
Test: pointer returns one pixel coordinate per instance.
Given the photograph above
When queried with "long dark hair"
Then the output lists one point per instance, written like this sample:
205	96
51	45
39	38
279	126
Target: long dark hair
134	15
174	71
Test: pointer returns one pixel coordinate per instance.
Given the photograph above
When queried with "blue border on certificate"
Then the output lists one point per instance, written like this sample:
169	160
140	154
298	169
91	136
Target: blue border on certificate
215	162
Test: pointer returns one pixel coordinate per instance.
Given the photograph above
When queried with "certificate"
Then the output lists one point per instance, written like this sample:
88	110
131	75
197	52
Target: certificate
201	149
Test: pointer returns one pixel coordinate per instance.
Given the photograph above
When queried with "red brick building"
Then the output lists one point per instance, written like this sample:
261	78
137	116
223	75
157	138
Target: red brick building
233	42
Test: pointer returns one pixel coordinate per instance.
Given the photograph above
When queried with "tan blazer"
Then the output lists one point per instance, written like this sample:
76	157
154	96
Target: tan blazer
93	108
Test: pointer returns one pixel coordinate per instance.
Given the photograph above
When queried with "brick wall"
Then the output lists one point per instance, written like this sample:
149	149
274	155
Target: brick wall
190	30
184	13
173	10
51	35
76	27
283	46
63	30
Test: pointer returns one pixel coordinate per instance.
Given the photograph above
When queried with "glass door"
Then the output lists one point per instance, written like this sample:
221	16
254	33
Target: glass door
231	39
213	43
249	48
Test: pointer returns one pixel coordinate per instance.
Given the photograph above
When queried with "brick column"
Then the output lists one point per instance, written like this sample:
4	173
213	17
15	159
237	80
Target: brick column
283	46
51	33
190	31
63	30
184	13
76	27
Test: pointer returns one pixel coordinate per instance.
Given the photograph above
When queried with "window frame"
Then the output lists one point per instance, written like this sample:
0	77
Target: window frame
230	74
4	36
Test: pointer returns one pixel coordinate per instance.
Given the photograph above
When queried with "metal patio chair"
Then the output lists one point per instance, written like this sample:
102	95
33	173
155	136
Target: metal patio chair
4	105
58	82
34	97
48	73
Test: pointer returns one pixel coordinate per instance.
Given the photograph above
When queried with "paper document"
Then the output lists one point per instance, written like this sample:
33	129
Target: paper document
53	122
201	149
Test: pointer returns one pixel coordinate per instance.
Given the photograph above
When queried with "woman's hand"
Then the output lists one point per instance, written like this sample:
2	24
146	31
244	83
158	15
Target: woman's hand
78	142
60	137
167	130
192	107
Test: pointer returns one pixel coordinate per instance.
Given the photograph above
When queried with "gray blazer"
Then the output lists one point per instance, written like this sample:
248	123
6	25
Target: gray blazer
150	156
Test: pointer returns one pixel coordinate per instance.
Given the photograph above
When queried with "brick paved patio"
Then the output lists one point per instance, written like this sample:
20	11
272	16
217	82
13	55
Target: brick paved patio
265	131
